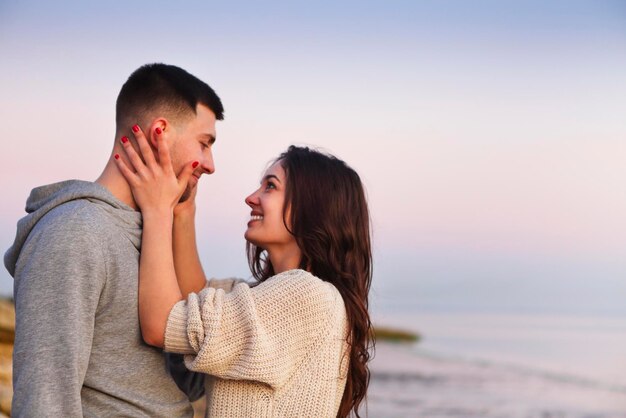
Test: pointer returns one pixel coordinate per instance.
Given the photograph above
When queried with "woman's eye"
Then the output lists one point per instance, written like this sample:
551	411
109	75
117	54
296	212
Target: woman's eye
270	185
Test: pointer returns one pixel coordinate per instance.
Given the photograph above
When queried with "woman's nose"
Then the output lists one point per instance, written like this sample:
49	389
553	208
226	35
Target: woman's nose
252	200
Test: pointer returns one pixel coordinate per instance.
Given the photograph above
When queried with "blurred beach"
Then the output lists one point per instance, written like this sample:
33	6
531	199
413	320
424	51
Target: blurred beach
477	365
509	366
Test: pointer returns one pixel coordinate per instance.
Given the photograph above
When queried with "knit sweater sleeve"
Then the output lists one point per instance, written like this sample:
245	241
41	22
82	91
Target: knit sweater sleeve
262	333
192	383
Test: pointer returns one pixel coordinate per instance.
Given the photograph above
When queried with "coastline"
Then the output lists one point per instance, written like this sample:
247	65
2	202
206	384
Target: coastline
414	380
410	382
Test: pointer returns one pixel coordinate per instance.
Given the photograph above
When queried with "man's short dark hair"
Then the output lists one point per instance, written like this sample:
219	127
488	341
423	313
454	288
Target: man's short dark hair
165	89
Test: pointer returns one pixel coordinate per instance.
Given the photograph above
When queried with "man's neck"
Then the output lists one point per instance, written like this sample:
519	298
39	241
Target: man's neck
114	182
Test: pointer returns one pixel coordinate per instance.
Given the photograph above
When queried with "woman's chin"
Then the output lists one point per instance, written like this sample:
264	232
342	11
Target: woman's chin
250	237
255	243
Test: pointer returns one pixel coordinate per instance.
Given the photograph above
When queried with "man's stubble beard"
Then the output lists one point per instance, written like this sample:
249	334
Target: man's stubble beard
185	194
175	160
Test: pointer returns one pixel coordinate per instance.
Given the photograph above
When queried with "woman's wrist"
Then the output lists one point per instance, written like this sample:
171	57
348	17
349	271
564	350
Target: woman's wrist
185	211
185	217
158	215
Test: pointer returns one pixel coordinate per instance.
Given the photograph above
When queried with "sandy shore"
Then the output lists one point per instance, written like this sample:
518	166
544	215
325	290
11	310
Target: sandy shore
409	383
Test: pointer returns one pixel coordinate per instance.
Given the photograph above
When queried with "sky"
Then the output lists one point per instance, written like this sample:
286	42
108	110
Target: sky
490	135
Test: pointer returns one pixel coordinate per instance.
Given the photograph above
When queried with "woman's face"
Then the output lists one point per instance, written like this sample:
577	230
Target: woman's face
266	228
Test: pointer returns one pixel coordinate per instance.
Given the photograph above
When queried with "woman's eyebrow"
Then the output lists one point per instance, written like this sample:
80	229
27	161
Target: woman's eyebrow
271	176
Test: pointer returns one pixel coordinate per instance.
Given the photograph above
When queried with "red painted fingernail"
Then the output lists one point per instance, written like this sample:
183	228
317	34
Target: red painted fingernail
195	164
124	140
136	128
158	130
117	156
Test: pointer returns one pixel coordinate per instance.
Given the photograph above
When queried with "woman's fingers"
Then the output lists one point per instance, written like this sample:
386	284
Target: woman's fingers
164	153
130	177
185	174
134	158
144	147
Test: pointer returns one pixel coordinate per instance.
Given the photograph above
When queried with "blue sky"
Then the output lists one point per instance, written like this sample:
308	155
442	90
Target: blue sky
490	135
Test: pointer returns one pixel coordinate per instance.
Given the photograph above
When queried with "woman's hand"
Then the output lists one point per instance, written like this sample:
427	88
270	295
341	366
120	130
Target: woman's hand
154	185
187	208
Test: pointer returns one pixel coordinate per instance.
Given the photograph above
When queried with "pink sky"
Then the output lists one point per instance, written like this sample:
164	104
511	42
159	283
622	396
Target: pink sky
472	136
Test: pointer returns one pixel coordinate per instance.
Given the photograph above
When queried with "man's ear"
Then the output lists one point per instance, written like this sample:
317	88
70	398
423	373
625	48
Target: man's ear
161	125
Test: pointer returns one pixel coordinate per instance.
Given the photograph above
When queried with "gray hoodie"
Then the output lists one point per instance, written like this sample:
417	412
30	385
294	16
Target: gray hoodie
78	347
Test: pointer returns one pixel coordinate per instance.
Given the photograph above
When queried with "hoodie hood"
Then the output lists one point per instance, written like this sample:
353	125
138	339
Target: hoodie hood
45	198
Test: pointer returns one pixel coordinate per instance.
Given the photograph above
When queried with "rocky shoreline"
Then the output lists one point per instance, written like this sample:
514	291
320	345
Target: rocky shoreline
7	336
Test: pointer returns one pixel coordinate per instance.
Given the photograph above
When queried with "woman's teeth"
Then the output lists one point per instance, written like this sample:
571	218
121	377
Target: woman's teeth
257	217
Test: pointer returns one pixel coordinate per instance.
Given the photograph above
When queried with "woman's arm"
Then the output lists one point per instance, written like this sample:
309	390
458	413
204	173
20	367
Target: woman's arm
158	286
191	277
262	333
156	190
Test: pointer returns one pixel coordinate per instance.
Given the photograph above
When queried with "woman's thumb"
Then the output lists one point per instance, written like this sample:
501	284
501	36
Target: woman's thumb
186	173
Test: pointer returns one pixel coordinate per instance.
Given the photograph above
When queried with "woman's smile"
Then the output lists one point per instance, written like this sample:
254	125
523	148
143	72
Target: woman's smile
254	217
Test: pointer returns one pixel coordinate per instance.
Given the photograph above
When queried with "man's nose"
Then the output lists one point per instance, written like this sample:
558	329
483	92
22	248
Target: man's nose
207	164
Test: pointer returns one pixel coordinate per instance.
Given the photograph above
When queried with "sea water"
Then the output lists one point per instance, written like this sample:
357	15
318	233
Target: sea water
506	365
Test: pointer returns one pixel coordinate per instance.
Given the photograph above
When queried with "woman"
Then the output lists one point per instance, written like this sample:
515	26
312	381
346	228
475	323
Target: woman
297	342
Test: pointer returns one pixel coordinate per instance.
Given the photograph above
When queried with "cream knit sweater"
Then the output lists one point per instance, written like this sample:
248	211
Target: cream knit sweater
275	350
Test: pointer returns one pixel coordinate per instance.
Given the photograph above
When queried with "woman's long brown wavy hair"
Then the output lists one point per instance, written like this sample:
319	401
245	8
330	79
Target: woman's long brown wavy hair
330	221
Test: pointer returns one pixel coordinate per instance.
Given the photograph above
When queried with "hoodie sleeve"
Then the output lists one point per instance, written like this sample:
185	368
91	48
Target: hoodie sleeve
59	276
191	383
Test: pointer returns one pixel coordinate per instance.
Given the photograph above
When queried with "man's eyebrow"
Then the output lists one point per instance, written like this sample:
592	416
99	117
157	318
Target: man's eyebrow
210	137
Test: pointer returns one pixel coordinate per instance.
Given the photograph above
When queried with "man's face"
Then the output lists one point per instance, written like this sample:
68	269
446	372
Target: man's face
193	141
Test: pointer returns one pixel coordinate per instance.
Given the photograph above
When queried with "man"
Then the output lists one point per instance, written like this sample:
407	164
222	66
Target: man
78	346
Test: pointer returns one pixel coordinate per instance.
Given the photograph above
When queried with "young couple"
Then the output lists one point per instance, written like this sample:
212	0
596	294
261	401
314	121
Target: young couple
107	274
